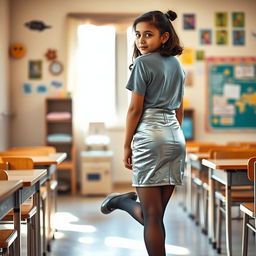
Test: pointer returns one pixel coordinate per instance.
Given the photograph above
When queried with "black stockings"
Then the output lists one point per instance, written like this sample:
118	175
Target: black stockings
150	212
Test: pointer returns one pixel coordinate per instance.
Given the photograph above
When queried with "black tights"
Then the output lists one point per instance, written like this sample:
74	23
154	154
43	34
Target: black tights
149	212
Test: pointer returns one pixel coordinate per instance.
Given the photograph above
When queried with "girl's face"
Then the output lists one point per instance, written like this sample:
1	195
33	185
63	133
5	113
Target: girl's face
148	38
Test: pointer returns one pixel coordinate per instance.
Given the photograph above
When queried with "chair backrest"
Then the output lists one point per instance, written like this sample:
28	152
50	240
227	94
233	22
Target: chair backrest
3	175
48	149
24	153
19	163
231	154
251	167
209	148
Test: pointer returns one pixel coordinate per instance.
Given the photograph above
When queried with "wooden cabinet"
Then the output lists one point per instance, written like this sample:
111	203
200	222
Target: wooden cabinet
59	133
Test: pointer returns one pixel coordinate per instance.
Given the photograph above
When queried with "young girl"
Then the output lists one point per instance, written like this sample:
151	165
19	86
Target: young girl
154	147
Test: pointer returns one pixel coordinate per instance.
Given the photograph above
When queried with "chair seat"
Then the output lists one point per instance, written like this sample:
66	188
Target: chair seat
236	196
27	212
248	208
7	237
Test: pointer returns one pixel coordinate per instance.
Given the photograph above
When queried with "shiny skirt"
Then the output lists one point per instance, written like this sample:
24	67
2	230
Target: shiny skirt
158	150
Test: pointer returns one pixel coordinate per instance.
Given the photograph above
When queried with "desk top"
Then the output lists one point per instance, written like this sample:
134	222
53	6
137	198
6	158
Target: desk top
28	177
226	164
9	187
198	156
56	158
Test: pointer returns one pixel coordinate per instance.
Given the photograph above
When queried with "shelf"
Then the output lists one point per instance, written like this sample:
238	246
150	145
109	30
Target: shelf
50	143
59	125
59	121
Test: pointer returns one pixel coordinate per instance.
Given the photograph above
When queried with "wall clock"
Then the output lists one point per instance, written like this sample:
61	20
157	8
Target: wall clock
56	67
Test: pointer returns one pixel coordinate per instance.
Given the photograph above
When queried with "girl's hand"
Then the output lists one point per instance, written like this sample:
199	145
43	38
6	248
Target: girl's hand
128	158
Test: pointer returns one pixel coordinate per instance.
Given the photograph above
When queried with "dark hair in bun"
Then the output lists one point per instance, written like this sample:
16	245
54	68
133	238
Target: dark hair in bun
171	15
162	21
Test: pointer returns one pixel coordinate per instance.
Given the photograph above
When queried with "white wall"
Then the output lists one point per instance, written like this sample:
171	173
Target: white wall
29	110
4	74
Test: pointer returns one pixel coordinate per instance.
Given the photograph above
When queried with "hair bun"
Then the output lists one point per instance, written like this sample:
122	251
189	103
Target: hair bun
171	15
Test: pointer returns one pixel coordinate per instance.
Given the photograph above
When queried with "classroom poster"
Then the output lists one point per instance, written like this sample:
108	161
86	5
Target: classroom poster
231	93
35	69
221	19
238	19
205	36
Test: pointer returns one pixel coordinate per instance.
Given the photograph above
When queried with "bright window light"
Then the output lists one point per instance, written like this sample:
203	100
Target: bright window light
96	74
130	43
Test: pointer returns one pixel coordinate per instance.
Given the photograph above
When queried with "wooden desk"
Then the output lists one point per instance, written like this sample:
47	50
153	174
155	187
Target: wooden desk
31	181
52	159
10	199
50	163
229	172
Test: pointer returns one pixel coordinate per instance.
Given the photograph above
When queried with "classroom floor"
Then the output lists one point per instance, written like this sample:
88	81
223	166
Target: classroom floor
84	231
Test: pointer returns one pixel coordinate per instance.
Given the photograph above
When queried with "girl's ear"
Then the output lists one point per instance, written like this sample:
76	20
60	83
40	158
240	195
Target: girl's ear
165	37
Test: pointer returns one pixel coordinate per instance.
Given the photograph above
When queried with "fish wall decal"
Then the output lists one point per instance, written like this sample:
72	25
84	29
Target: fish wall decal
36	25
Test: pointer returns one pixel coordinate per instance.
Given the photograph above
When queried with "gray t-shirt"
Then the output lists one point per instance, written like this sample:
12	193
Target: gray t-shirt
159	79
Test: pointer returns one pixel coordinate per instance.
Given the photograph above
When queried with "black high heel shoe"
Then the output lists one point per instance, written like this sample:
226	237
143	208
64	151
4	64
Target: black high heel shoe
105	207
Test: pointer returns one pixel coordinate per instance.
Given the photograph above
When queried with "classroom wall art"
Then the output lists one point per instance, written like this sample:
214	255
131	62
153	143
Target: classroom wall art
41	88
221	19
189	21
35	69
231	93
36	25
17	50
238	37
238	19
205	36
56	84
27	88
187	56
51	54
221	37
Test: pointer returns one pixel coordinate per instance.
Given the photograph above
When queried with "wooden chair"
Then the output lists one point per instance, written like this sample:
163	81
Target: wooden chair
28	211
239	194
200	182
48	149
7	236
249	209
24	153
51	197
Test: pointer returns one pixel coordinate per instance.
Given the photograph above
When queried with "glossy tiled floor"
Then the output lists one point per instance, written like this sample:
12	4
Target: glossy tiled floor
83	230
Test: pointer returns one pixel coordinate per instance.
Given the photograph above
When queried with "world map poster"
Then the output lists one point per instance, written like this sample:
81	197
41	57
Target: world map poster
231	93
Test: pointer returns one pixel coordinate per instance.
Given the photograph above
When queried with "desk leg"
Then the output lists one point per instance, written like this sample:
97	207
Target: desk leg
211	212
228	218
16	221
37	221
189	189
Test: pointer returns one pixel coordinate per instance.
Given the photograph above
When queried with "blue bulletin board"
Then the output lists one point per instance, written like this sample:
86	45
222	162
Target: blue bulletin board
231	93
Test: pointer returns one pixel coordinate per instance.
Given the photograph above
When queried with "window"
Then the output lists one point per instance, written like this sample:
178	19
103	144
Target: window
96	74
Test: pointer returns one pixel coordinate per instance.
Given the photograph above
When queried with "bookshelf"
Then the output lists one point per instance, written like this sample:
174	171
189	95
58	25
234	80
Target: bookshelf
59	134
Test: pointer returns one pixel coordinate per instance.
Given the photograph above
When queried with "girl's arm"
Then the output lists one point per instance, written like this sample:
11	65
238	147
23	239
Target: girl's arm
132	119
179	113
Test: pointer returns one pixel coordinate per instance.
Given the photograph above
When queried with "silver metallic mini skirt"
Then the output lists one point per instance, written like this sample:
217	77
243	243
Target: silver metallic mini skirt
158	152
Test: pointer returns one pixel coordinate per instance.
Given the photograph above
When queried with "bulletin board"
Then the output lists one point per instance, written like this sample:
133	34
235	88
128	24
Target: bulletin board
231	93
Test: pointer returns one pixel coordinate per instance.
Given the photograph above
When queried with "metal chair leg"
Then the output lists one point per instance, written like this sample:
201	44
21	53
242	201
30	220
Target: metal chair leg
219	225
245	235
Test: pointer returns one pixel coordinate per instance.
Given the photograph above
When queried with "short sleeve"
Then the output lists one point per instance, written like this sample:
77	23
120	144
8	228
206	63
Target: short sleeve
139	78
